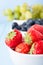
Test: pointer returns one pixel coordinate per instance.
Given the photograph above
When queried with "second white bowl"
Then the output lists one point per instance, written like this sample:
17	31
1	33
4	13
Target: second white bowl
19	21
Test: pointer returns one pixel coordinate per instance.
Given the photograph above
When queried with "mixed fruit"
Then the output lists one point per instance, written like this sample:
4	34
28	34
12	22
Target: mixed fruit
25	12
30	43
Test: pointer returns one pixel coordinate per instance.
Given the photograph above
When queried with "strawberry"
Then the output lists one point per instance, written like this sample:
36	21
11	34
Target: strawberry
32	36
13	38
22	48
37	47
37	27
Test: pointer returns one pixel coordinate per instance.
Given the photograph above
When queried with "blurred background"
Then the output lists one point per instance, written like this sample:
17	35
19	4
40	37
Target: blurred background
5	26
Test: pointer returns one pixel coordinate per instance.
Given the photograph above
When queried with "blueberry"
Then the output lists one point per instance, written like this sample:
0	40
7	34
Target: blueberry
14	25
37	21
30	22
41	21
28	27
24	28
23	24
18	27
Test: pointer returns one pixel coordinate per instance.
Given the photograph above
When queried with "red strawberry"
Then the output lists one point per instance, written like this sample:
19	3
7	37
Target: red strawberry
22	48
37	47
37	27
13	38
33	35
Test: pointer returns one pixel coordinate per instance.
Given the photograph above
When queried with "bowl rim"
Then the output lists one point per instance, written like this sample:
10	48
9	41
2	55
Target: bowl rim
22	53
19	20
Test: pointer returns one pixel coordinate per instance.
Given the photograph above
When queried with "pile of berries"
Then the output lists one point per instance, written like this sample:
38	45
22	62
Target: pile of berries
26	25
31	43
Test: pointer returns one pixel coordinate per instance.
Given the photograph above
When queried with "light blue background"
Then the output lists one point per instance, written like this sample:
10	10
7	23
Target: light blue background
5	26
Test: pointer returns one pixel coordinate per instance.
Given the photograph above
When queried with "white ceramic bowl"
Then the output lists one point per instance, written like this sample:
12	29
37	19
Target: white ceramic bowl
19	21
25	59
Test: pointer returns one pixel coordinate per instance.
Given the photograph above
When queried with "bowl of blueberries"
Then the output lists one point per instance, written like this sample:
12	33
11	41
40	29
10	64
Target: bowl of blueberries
27	24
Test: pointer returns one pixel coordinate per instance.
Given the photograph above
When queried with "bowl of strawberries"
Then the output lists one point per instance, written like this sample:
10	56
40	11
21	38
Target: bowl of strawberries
26	49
